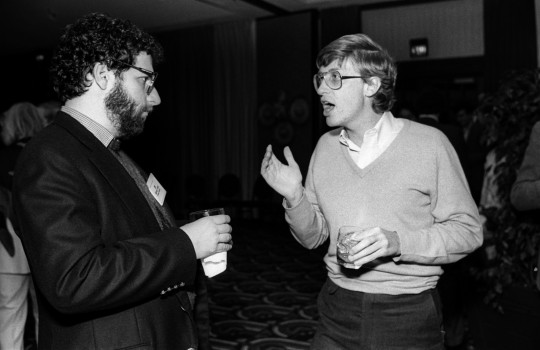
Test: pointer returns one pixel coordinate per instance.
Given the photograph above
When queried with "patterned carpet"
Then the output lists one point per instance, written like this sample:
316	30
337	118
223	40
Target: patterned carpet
266	299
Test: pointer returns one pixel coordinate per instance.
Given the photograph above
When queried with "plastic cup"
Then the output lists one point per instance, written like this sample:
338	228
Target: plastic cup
217	263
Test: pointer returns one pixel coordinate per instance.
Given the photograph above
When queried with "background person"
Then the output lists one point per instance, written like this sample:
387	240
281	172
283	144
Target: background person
452	285
475	151
430	106
112	269
525	192
399	179
49	109
17	125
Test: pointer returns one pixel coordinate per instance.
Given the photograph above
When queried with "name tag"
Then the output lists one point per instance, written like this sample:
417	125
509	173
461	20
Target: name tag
156	189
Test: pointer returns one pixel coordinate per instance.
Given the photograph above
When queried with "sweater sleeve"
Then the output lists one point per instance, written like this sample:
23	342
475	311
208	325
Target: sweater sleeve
306	222
456	229
525	194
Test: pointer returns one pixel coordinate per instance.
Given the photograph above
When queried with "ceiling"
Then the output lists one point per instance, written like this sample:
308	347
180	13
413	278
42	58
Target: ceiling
30	25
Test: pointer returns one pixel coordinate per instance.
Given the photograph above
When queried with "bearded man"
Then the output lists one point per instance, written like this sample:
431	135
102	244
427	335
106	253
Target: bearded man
112	270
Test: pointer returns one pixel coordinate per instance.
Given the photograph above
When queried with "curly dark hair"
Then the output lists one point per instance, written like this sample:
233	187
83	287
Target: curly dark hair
95	38
371	60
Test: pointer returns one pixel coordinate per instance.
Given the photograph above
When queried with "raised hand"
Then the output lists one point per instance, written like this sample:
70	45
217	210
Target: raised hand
284	179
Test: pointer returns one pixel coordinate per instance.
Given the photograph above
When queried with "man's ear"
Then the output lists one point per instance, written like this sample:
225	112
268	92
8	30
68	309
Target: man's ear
372	85
101	75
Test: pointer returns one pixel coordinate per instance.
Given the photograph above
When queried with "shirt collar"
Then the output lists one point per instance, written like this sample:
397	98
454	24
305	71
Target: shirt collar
98	130
387	125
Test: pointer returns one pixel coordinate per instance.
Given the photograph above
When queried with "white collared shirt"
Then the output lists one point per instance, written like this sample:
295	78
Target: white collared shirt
376	140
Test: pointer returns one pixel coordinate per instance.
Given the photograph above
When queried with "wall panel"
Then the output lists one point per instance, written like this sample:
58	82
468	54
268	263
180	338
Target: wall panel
453	28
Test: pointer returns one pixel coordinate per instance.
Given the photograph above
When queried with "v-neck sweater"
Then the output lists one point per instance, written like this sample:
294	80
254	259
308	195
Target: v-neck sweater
416	188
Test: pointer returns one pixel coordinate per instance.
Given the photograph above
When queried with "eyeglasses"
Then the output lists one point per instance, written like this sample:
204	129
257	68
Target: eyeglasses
332	78
149	83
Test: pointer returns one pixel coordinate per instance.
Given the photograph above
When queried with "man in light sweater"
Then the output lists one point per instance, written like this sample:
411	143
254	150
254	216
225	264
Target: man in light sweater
400	180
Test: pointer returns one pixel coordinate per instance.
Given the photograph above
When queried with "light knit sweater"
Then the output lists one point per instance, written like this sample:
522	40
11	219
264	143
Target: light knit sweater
416	187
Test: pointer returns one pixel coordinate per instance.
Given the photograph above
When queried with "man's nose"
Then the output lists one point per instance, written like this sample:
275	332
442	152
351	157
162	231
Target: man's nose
322	87
154	98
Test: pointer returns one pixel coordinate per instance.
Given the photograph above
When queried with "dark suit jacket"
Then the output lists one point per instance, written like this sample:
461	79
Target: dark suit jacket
98	257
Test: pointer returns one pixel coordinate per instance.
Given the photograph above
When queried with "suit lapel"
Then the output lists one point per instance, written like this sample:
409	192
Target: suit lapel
115	174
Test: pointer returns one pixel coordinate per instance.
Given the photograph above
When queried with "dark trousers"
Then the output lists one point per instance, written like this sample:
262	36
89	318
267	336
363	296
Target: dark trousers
361	321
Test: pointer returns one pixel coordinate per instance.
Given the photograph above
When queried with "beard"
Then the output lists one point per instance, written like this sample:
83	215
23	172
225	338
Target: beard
126	116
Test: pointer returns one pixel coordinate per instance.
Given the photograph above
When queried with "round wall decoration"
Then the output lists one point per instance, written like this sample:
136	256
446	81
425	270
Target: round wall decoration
299	111
283	132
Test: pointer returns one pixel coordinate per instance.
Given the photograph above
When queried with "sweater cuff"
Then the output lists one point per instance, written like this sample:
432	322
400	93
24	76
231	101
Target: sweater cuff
402	248
294	205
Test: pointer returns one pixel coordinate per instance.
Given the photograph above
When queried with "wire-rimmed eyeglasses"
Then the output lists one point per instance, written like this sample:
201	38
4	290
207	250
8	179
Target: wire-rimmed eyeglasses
332	78
149	83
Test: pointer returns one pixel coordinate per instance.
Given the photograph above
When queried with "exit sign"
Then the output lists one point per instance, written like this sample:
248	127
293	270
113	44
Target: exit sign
418	47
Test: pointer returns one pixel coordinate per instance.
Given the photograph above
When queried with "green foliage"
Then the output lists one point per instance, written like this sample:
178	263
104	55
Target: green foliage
512	237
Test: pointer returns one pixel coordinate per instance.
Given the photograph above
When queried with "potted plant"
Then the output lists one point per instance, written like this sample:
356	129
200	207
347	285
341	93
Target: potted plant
511	238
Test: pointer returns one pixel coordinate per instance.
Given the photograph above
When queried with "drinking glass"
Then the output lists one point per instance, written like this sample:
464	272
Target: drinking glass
347	238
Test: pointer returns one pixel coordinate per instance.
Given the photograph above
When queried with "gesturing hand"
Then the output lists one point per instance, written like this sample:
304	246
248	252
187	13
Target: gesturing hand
284	179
